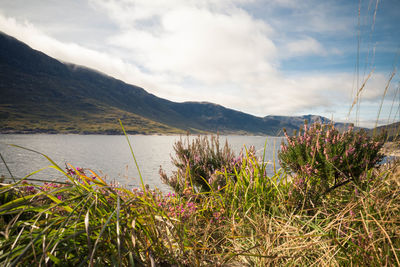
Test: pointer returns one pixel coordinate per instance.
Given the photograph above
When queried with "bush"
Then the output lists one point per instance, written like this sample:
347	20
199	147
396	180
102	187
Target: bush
322	158
200	163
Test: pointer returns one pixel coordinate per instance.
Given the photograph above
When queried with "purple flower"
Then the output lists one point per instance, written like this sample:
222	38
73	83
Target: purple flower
30	189
299	181
70	171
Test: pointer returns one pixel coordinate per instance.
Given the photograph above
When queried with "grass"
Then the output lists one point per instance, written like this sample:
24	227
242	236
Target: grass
250	222
25	119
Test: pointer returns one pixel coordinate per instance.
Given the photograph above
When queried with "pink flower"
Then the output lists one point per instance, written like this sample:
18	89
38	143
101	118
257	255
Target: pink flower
301	139
283	148
328	133
317	145
326	152
308	141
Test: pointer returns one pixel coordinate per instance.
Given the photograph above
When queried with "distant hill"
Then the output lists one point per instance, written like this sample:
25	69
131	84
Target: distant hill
41	94
392	131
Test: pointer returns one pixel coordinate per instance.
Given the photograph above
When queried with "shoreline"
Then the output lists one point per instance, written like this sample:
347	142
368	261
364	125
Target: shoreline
391	149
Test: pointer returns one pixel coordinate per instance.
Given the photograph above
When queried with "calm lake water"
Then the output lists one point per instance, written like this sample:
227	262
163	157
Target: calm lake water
108	155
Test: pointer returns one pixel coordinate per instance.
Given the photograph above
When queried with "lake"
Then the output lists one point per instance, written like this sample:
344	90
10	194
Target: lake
108	155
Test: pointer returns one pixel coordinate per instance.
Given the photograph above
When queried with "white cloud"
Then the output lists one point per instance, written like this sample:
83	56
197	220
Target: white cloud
230	55
211	48
73	53
305	46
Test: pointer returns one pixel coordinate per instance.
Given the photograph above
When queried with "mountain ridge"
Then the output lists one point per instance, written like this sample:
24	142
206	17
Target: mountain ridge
42	94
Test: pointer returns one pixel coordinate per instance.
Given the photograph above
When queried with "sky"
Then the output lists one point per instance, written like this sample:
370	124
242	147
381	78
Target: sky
262	57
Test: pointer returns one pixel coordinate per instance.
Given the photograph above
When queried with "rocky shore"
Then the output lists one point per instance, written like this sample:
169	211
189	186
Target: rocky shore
391	149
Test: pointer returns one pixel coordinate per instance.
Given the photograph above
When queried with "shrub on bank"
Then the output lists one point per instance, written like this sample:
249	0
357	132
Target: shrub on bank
321	158
199	164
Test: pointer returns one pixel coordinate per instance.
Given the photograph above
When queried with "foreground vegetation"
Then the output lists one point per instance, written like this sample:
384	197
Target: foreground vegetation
225	210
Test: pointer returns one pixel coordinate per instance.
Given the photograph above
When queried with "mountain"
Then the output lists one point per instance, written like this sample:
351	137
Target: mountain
392	131
41	94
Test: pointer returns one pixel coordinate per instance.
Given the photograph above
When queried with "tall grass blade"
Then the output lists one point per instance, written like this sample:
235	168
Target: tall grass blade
118	231
382	100
8	169
357	97
133	155
99	237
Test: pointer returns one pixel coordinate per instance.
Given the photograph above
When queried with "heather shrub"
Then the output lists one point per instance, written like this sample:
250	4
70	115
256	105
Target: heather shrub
200	164
321	158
